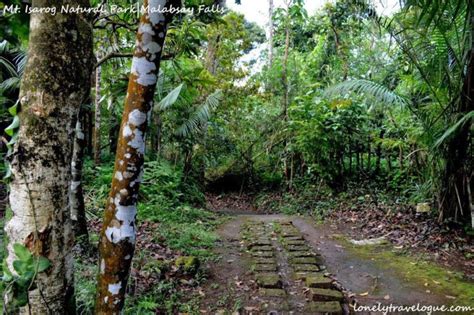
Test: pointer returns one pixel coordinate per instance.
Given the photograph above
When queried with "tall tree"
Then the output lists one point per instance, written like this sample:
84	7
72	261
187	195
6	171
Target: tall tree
76	198
270	32
54	85
98	72
117	239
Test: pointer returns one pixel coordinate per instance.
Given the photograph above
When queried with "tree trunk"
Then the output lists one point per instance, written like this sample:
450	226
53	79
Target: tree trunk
54	85
286	90
97	116
76	198
378	152
156	137
88	129
117	238
270	33
114	129
369	154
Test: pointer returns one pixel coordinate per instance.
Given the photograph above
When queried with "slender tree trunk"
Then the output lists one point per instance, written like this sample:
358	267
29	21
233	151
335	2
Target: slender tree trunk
54	85
286	89
369	154
400	158
117	238
378	152
88	129
76	198
97	121
270	32
114	129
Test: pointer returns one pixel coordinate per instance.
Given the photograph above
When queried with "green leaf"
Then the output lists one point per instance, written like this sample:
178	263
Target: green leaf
169	99
7	275
20	266
21	297
43	263
453	129
13	110
10	130
21	252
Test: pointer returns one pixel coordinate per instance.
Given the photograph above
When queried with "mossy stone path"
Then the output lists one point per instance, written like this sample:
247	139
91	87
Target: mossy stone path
276	264
289	273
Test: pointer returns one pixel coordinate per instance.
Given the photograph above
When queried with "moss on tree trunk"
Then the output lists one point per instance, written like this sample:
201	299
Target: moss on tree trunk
54	85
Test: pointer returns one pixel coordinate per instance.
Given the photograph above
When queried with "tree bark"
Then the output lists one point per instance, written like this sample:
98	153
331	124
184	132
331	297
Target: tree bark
76	198
54	85
117	238
97	117
286	88
270	33
114	129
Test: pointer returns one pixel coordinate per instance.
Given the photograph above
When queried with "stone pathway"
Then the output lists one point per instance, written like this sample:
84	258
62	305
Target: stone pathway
276	264
290	275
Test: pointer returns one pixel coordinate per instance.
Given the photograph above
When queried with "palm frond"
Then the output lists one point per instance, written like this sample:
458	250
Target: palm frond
380	92
10	69
9	84
20	60
454	128
200	116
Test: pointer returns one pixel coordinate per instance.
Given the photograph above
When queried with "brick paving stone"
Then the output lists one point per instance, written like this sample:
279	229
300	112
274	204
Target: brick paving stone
294	242
298	248
268	280
325	295
262	249
304	260
305	267
297	254
263	254
260	242
265	267
319	281
272	292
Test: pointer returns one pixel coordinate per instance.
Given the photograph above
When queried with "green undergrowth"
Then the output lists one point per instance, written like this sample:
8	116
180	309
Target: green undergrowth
173	205
416	270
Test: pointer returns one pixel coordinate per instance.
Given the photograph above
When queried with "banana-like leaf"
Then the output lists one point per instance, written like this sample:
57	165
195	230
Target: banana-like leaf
169	99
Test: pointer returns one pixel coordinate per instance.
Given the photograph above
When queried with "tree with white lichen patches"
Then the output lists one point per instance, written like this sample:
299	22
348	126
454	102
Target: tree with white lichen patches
117	239
54	85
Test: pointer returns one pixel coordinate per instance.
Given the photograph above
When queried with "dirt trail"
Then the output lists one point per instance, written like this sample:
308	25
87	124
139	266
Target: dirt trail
238	280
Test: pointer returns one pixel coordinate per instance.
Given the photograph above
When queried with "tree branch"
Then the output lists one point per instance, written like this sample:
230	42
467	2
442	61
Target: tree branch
126	55
111	56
